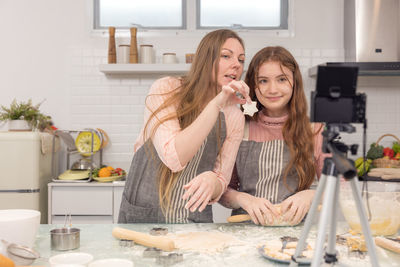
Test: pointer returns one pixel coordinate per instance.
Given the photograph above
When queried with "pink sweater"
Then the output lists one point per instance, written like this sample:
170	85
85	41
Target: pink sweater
269	128
164	138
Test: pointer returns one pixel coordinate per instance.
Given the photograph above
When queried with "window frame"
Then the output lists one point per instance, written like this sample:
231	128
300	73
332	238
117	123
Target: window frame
191	30
96	20
284	23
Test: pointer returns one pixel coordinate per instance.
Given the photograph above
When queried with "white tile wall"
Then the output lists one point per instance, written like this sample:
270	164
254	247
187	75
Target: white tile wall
115	103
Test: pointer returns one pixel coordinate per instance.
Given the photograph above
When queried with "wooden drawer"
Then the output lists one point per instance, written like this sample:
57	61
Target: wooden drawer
93	200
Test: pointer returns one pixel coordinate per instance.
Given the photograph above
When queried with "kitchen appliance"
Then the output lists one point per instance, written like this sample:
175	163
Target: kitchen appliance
372	36
371	30
25	160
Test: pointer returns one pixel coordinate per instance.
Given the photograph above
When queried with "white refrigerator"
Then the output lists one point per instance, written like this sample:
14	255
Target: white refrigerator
25	170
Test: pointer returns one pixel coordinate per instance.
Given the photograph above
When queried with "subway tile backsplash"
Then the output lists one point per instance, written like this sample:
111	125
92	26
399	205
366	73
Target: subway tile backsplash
115	103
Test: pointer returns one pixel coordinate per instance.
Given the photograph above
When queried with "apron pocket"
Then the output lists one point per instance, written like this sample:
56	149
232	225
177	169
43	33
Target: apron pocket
130	213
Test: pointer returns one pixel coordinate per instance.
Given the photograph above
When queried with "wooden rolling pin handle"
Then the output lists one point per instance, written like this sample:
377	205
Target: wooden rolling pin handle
388	244
161	242
239	218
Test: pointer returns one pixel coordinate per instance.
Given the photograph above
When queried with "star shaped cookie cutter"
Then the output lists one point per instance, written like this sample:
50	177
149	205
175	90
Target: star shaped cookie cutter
250	109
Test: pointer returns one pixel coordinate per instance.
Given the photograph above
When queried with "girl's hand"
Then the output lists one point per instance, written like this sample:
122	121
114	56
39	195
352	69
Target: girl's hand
200	190
295	207
259	209
228	96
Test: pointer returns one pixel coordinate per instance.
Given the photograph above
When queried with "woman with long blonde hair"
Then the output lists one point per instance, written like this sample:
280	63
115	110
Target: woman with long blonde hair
186	151
281	153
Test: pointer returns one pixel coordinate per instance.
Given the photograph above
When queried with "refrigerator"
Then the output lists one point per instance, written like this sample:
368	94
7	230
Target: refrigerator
25	170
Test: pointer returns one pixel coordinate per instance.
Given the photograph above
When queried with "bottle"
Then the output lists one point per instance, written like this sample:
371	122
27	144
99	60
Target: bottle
112	54
133	55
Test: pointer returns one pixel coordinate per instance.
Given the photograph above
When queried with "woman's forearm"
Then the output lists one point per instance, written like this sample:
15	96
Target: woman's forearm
189	140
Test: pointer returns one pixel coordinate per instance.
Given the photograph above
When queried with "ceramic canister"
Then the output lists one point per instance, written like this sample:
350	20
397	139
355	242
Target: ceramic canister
169	58
146	54
123	54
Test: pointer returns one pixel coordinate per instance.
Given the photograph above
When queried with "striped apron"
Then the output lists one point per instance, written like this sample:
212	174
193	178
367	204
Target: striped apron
260	167
140	200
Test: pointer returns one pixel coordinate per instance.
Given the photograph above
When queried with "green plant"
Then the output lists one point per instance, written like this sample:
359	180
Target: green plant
26	111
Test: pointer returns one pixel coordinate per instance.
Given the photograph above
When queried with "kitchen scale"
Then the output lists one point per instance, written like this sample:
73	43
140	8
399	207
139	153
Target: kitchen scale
86	144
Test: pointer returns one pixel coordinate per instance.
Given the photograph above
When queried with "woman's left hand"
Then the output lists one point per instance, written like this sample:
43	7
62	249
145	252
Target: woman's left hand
295	207
200	190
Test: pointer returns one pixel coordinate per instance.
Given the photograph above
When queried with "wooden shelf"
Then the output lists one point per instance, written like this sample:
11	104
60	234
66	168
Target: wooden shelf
110	69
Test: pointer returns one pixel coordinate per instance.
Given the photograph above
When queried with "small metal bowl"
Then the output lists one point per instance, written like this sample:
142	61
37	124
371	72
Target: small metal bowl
65	238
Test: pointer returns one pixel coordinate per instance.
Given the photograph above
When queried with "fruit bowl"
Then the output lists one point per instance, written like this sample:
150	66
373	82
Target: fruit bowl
384	204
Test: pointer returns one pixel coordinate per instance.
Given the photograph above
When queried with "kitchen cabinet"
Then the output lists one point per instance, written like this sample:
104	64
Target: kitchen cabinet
144	68
86	202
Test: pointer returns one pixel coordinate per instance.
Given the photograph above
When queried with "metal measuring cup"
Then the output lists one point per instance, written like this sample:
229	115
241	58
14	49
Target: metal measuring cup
65	238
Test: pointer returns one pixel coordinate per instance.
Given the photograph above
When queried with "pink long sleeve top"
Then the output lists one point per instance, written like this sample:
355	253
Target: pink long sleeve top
164	137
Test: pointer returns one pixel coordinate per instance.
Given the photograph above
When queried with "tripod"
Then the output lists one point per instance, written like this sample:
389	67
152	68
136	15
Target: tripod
337	164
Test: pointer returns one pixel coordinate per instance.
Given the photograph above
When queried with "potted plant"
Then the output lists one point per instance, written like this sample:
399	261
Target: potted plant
24	116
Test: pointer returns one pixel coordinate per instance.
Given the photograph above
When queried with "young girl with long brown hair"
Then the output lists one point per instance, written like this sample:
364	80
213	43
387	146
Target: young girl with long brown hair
186	151
281	152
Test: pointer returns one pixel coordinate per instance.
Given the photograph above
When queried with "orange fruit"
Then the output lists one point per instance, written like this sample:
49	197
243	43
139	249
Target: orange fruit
6	262
104	172
110	168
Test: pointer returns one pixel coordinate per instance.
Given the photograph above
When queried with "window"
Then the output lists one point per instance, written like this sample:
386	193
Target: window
192	14
248	14
148	14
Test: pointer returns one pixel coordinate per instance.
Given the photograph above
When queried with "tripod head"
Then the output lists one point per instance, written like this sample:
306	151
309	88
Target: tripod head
338	149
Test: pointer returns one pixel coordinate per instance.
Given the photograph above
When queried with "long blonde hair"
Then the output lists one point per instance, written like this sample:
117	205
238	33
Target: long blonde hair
297	132
190	99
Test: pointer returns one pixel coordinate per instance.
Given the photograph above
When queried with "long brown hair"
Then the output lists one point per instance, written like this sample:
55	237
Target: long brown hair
190	99
297	132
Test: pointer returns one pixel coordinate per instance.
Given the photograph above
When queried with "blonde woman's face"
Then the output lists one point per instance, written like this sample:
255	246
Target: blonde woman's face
231	62
274	88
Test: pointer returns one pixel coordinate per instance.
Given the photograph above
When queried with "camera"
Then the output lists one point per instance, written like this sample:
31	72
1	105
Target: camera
335	99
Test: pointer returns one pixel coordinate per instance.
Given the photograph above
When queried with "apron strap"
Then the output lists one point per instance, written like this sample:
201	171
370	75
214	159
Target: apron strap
246	130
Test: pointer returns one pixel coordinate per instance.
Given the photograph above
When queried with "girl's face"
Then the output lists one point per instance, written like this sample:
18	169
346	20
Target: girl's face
231	62
274	88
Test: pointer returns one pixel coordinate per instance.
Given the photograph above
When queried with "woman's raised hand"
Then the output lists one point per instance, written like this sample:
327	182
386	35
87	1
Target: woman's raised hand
259	209
200	190
228	95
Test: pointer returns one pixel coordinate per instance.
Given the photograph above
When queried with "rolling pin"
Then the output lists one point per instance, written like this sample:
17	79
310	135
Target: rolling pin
388	244
239	218
161	242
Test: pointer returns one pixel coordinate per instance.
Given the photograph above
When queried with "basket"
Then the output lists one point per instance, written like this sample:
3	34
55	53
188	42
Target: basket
383	162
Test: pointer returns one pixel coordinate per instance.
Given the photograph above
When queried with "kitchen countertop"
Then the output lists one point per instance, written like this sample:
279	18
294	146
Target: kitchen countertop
97	240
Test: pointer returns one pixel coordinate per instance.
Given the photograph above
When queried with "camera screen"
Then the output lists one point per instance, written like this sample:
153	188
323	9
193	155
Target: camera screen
332	81
335	99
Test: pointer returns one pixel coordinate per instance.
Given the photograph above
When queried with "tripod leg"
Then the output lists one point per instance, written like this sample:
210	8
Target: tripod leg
364	222
324	219
309	219
330	255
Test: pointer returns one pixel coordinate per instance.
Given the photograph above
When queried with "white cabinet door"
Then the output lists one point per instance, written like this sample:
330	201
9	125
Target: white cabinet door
85	200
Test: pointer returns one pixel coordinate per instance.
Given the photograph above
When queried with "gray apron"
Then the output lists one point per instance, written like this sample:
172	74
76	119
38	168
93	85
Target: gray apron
260	167
140	200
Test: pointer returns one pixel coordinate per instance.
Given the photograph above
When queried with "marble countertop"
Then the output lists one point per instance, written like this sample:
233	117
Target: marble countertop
97	240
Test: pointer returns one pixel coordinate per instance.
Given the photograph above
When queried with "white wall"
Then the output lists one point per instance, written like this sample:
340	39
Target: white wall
48	51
